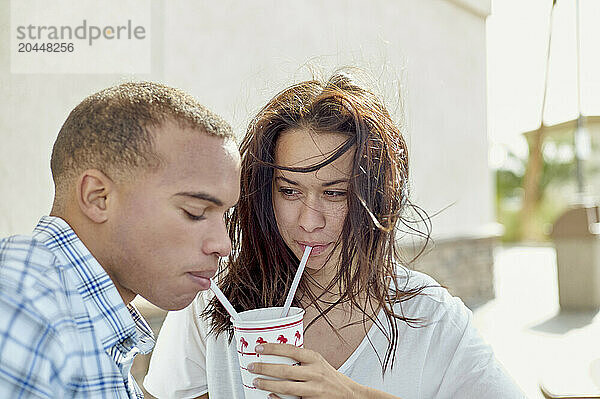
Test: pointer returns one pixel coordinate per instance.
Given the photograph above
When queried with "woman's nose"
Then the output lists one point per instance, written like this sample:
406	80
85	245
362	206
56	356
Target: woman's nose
311	217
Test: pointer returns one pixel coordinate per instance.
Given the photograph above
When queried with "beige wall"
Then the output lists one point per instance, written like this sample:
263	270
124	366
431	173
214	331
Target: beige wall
235	55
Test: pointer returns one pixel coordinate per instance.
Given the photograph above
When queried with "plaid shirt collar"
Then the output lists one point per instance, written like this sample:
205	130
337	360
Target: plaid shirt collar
114	322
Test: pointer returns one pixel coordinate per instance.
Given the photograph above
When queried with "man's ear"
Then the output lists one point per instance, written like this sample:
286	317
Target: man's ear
93	191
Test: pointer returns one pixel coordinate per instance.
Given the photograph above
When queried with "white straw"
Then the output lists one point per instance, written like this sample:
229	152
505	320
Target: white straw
221	297
295	282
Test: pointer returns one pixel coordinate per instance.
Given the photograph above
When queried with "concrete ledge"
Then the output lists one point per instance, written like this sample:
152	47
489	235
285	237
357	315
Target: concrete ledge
463	265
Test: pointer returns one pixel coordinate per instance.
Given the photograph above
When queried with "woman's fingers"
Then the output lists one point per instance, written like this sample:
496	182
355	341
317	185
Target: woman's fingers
287	350
283	371
282	387
309	379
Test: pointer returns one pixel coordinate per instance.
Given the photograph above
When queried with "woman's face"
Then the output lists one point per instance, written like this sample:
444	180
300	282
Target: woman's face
310	208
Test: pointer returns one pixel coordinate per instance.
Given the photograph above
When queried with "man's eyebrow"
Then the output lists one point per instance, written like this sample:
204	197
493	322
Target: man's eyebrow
201	196
326	184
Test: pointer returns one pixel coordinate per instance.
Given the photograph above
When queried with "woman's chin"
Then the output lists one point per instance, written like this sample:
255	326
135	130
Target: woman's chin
314	268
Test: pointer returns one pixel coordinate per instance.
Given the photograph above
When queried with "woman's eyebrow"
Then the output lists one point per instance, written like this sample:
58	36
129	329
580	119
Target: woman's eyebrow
325	184
288	181
334	182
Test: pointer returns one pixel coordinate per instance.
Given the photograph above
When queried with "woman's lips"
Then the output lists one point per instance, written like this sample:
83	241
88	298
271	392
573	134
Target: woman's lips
317	248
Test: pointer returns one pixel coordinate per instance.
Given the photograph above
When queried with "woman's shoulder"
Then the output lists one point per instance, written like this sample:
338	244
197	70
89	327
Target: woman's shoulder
427	297
408	280
203	299
200	305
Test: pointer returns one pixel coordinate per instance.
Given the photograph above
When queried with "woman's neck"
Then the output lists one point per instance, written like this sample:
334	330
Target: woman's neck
321	295
319	280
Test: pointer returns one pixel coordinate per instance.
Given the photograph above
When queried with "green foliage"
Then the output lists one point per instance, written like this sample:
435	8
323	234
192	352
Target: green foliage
555	173
508	184
556	183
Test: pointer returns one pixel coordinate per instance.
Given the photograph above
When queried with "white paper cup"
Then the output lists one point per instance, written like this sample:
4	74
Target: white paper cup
260	326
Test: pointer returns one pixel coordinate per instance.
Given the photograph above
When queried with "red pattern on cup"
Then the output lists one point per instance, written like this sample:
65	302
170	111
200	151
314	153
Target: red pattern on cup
282	340
244	345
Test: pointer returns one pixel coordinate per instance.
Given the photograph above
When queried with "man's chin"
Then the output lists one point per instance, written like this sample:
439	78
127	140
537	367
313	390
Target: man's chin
173	305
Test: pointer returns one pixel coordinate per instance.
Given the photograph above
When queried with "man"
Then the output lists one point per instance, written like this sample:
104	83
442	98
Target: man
143	177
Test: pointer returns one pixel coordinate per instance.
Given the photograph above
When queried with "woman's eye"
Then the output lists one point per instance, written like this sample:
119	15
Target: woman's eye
192	216
335	194
288	192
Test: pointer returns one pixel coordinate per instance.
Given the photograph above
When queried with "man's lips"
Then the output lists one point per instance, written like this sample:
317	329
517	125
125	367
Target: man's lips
205	273
202	278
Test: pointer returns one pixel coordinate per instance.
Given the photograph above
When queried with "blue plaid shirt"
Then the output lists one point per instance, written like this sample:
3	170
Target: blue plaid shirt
64	330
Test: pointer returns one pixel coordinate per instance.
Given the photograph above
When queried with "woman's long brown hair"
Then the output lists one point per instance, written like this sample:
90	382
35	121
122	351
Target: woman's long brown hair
261	267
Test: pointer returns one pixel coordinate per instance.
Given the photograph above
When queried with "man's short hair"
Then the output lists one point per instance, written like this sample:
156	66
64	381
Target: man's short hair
109	130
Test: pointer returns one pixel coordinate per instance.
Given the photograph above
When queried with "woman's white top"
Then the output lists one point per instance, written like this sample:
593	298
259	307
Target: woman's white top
445	359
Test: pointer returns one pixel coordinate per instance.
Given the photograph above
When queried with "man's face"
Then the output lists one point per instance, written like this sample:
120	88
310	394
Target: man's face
167	226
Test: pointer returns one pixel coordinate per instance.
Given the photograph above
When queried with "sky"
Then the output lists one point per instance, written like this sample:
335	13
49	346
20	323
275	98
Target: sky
517	39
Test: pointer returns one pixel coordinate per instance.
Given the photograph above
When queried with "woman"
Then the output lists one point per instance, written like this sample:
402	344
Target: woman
323	165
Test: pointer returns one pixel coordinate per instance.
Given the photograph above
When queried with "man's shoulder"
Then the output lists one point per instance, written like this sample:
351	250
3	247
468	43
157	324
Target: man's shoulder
41	343
26	250
32	288
24	261
31	278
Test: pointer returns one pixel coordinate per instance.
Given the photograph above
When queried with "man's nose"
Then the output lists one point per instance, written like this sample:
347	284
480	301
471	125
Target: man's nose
218	242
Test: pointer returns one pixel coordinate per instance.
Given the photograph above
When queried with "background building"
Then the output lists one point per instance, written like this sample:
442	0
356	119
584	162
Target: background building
428	57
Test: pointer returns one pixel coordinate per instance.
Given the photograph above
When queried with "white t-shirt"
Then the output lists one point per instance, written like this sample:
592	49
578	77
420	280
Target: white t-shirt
445	359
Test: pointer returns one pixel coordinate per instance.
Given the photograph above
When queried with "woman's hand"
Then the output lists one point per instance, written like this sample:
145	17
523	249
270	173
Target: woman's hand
313	378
